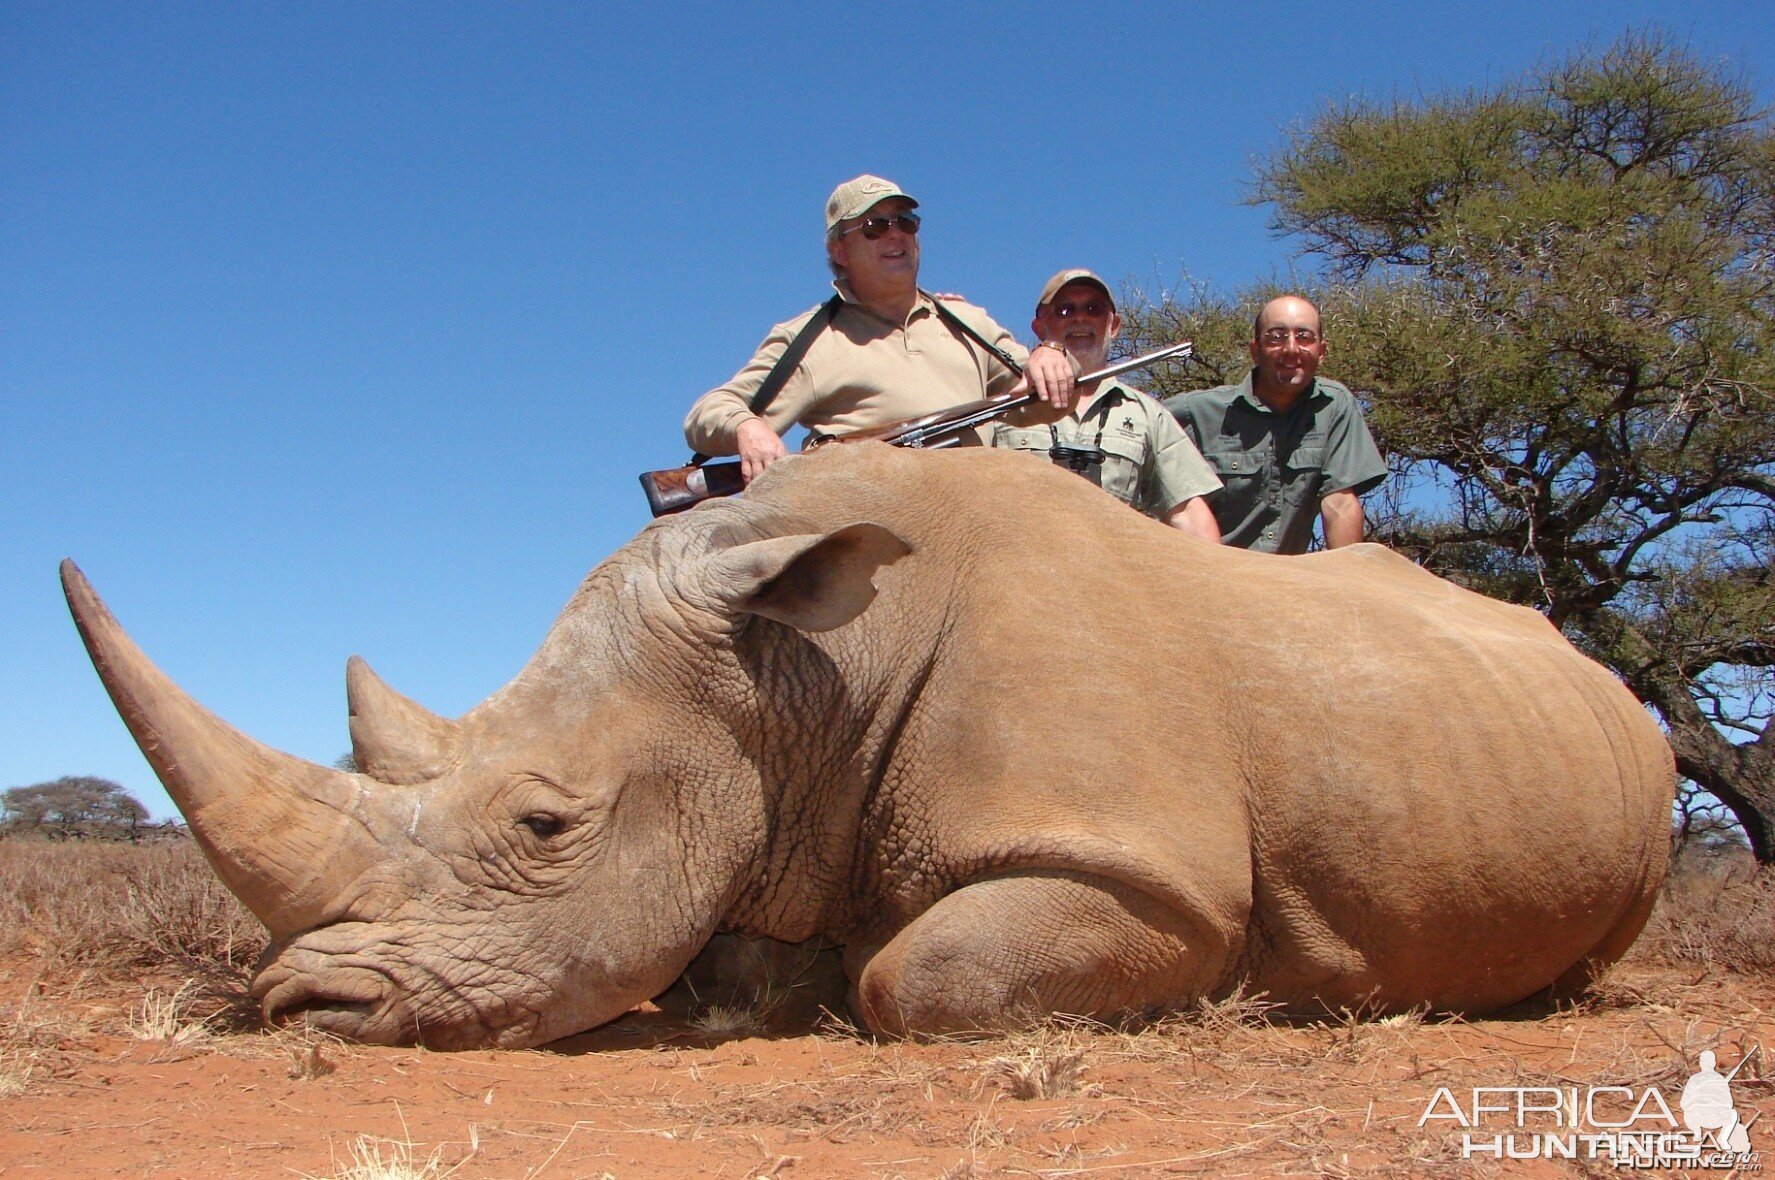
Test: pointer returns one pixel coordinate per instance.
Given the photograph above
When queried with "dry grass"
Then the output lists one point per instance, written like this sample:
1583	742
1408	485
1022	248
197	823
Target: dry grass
376	1157
85	913
34	1035
371	1157
1086	1084
1715	911
1045	1065
739	1020
310	1061
16	1069
166	1016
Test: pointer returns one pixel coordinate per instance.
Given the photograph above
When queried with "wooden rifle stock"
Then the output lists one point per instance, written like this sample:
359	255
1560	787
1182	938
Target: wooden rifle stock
678	488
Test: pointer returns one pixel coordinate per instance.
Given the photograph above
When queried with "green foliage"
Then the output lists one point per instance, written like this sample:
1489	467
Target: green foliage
73	805
1218	326
1558	300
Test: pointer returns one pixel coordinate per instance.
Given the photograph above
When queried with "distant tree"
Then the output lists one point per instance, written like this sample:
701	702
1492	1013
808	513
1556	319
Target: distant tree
74	805
1559	301
25	806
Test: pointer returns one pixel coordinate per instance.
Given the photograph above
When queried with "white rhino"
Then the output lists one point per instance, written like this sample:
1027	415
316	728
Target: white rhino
1017	749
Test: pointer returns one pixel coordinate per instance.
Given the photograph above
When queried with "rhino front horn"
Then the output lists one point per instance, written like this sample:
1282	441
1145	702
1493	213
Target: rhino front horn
393	739
281	832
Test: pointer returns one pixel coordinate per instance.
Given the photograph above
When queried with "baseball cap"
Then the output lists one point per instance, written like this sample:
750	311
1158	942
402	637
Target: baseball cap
856	197
1077	274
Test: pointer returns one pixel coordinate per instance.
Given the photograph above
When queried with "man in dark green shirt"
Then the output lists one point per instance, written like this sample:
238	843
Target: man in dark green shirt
1287	444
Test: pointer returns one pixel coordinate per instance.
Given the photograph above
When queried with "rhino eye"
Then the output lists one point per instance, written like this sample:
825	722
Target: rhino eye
543	825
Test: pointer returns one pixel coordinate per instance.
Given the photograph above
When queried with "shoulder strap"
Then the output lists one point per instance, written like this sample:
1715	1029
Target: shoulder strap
1112	397
785	367
958	324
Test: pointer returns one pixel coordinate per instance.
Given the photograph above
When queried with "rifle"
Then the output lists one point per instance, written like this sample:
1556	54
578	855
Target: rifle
678	488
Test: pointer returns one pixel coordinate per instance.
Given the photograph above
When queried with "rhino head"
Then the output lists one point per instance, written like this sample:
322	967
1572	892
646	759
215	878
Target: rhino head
548	860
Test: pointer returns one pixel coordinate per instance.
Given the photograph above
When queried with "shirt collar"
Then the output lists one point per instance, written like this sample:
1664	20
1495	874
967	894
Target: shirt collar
1249	396
1086	405
843	287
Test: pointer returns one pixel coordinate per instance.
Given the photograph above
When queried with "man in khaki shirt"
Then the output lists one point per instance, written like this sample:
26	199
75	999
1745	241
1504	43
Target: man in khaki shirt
886	355
1119	438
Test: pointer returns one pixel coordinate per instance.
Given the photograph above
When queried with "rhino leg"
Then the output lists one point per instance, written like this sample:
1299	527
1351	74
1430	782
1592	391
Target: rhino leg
788	984
1005	952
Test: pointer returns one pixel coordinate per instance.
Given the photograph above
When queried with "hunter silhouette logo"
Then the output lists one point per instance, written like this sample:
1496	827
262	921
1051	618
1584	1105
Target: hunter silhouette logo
1631	1128
1707	1105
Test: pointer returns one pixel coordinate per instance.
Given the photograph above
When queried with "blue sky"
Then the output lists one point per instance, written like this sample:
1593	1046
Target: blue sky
331	328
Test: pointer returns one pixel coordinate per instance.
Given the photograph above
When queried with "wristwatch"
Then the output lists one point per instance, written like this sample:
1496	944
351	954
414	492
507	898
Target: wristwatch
1055	345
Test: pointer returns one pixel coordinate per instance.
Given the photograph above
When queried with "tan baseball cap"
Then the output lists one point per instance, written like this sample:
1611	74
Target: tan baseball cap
1077	274
856	197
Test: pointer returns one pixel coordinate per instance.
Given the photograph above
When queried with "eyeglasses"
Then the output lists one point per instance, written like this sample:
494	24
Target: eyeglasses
877	227
1092	308
1277	337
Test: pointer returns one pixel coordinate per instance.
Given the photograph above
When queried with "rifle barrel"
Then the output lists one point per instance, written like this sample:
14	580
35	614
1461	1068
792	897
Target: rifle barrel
939	424
679	488
1182	347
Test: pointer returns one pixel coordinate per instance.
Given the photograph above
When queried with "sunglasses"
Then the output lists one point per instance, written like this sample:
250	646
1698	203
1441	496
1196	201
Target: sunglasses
877	227
1092	308
1277	337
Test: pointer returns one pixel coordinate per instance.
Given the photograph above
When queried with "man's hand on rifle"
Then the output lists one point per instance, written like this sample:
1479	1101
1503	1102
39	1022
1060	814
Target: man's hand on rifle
1035	413
1050	374
759	447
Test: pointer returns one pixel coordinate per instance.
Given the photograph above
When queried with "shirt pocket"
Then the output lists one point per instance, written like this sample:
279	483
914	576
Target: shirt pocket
1024	438
1307	455
1236	467
1303	472
1124	458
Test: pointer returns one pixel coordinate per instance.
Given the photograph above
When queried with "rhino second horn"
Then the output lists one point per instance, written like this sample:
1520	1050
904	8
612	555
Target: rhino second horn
394	739
282	833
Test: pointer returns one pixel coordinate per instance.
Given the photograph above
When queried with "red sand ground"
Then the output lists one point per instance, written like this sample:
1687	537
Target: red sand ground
645	1097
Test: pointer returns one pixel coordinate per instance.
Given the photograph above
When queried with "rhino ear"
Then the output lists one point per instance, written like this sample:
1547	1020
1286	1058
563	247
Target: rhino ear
811	582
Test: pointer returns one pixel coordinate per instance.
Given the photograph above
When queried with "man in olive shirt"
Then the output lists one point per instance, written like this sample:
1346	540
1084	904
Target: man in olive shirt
1287	443
888	353
1141	456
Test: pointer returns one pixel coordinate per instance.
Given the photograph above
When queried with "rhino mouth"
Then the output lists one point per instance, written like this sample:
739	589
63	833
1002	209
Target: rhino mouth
316	1008
355	1008
364	1002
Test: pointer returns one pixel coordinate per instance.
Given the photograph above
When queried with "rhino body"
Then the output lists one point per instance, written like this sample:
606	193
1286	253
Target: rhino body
1016	749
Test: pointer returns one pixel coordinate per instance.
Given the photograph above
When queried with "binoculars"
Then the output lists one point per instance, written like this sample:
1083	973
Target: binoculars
1086	460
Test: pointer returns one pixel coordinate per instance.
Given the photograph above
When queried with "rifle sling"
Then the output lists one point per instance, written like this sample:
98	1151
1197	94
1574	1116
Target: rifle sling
956	323
781	371
785	367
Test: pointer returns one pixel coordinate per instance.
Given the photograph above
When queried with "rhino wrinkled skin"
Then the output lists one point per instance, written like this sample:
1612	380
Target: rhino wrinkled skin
1016	749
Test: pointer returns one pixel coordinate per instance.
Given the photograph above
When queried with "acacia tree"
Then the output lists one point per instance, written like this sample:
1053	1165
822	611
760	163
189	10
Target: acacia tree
1557	298
74	804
